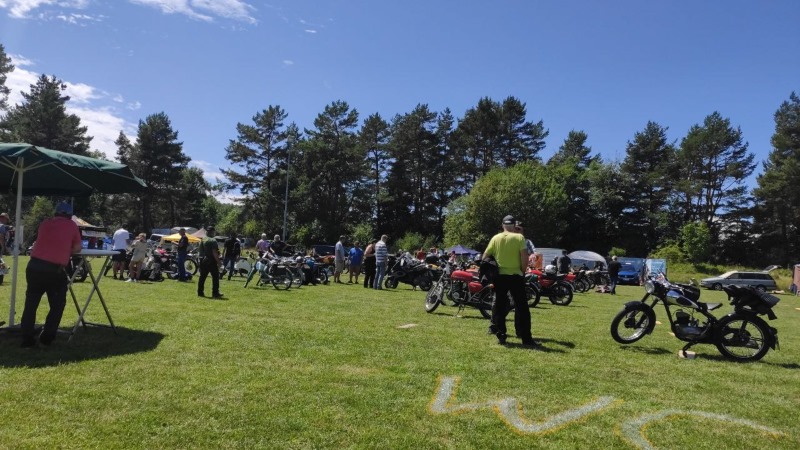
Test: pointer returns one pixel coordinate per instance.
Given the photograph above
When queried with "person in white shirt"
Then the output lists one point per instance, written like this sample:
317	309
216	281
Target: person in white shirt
121	240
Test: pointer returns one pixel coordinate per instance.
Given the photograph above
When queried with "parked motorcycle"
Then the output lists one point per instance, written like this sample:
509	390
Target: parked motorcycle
411	271
556	287
463	288
740	335
275	272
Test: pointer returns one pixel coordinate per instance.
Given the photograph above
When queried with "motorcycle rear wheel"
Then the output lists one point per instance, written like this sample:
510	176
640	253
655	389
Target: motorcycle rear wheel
743	339
434	297
190	266
630	325
424	282
561	294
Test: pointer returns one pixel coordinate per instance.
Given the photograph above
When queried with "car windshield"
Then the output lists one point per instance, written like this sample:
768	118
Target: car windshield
726	274
628	267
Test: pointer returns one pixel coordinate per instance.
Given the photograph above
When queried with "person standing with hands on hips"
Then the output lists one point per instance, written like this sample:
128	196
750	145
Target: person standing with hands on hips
509	250
209	264
58	238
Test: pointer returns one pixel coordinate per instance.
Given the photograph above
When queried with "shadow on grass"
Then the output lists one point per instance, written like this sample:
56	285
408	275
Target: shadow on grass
720	358
542	348
87	344
646	350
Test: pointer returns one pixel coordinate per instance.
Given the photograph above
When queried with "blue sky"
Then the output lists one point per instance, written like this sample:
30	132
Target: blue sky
604	67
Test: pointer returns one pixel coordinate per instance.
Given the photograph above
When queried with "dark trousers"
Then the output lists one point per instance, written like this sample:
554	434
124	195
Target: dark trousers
614	280
54	284
208	266
514	285
181	266
369	272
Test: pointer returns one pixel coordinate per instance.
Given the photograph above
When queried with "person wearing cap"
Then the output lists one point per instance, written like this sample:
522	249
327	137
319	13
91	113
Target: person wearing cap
509	251
182	250
209	264
57	239
4	221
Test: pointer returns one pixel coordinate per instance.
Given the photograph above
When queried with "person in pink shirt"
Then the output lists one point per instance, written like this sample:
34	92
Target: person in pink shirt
58	238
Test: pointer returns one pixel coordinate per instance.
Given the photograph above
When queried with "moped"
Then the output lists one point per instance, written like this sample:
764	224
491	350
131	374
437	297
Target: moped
740	335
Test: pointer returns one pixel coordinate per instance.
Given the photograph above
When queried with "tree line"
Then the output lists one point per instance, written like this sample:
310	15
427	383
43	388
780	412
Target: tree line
428	177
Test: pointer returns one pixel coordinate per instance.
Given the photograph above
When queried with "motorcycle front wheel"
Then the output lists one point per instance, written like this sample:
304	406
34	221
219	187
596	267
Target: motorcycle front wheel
390	283
434	297
561	294
190	266
630	325
485	304
742	338
533	294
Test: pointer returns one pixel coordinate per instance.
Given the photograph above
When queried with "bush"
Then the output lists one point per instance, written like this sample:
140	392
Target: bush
671	251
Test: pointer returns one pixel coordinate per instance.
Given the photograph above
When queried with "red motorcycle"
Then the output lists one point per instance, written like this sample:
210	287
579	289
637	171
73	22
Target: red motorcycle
557	288
462	287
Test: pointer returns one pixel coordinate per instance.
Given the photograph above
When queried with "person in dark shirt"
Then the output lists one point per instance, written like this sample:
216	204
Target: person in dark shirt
231	254
209	264
564	263
613	273
277	247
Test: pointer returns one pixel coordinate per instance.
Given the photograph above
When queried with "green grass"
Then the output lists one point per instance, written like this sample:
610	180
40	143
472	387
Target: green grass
328	367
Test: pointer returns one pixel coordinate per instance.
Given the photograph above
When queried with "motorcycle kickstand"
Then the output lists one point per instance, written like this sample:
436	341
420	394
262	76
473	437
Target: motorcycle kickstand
685	348
460	308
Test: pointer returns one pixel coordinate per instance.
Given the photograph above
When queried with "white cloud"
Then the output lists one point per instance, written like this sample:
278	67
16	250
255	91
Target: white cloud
87	102
211	171
288	62
19	9
311	31
134	106
204	10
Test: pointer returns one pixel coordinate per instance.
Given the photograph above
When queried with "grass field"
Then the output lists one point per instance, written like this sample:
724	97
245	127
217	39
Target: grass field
339	366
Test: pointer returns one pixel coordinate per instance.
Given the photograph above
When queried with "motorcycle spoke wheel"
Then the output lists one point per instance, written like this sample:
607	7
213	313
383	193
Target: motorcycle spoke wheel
282	282
434	297
533	294
743	338
628	326
562	294
485	304
190	266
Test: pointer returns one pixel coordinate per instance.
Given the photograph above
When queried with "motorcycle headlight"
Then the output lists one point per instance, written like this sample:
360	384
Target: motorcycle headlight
649	286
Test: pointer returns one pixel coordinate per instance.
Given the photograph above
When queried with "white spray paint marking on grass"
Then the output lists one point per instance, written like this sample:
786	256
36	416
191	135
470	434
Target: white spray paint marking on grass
408	325
509	409
632	430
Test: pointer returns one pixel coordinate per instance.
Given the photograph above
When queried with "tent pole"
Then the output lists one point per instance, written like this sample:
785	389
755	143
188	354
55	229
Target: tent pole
17	237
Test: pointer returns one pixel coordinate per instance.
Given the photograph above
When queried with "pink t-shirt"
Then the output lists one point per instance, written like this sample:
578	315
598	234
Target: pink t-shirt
55	240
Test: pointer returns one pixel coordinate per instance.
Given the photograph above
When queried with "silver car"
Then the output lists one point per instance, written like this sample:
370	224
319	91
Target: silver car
759	280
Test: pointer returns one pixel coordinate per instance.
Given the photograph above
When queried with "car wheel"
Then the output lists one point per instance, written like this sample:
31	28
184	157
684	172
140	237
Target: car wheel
716	287
761	288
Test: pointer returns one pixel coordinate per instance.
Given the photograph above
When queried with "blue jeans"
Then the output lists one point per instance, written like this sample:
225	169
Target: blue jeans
614	281
380	271
181	266
228	264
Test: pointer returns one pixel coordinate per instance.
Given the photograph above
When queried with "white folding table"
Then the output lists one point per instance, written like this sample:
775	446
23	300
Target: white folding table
84	254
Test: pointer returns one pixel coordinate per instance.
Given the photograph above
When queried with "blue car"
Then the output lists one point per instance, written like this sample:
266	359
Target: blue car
629	273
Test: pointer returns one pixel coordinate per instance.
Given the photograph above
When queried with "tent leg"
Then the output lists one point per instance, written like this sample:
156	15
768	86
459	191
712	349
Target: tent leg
17	237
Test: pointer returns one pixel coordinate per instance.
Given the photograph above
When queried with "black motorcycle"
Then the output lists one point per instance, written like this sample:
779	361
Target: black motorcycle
409	271
740	335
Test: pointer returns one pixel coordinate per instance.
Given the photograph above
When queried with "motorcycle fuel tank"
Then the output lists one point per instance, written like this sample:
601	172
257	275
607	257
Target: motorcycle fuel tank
462	275
475	286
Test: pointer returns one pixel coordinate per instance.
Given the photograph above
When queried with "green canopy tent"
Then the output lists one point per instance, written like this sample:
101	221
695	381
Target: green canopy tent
29	170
